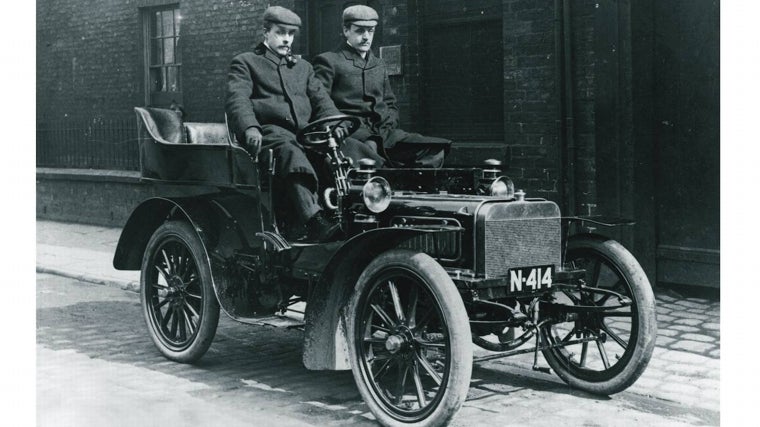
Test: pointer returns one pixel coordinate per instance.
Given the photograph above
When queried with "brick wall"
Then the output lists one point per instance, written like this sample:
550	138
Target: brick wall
90	197
214	32
584	84
87	53
88	64
531	103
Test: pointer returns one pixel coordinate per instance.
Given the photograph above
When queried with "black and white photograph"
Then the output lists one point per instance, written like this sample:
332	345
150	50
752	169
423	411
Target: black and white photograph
384	213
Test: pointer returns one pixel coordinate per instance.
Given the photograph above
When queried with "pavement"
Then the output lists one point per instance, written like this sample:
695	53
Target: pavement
685	367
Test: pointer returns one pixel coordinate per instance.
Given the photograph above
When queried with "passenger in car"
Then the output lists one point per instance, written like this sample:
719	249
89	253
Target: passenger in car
358	83
271	94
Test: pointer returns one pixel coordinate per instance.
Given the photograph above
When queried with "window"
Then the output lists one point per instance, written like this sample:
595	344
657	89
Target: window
162	56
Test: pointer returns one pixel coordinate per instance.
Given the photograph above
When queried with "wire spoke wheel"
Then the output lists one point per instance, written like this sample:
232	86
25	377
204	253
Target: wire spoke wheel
406	364
411	359
175	294
618	342
177	297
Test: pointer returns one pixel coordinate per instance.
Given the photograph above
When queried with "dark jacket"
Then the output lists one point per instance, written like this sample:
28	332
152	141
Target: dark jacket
358	87
263	91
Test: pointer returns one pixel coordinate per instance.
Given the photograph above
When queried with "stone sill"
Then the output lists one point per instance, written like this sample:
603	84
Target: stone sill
94	175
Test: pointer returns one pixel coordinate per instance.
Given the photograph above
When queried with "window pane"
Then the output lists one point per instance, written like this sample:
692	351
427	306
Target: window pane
172	79
157	79
156	25
177	20
156	53
168	16
177	52
169	51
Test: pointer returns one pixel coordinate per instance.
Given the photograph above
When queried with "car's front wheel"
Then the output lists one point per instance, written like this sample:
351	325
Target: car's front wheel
614	342
409	340
176	293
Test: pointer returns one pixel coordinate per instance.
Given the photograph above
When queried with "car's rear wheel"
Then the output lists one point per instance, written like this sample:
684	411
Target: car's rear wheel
176	293
409	340
623	336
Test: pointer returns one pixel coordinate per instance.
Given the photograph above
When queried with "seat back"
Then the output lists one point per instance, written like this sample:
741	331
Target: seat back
161	124
206	133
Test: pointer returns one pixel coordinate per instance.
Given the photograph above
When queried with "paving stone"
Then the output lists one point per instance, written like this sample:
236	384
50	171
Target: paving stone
654	372
713	373
657	362
692	304
715	353
690	322
698	337
664	297
711	326
707	384
667	332
701	347
685	328
664	341
662	310
687	315
664	318
645	383
685	357
684	369
680	387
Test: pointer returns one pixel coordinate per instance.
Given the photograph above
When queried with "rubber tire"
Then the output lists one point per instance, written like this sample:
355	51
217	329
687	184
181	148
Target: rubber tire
455	315
641	293
210	314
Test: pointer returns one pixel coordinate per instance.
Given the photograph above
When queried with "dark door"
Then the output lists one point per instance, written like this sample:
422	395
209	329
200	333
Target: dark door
462	78
687	123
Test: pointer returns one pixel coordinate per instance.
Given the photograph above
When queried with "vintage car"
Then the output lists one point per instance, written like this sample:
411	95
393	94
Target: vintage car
432	261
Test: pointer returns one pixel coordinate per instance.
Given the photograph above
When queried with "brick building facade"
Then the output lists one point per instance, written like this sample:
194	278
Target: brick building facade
588	103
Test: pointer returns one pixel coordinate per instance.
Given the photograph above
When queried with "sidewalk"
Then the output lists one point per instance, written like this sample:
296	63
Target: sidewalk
685	367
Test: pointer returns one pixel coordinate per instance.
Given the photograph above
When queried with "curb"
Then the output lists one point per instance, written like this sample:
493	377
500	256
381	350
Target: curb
131	286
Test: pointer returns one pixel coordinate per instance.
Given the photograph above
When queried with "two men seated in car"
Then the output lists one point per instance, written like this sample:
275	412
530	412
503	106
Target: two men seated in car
272	94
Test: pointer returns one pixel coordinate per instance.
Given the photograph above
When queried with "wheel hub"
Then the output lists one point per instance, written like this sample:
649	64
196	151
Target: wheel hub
394	343
176	291
400	340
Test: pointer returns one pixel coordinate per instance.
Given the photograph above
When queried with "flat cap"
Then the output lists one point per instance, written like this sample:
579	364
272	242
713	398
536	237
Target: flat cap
281	15
360	15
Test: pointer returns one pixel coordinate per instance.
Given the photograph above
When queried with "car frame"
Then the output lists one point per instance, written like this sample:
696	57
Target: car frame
431	261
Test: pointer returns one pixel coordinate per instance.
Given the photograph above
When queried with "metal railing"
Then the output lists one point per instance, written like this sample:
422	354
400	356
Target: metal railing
88	144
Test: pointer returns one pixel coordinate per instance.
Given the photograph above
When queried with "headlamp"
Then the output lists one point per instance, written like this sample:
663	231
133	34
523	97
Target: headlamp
377	194
503	187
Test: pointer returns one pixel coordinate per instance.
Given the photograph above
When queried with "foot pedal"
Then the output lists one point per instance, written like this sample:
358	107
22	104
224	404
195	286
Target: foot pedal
542	369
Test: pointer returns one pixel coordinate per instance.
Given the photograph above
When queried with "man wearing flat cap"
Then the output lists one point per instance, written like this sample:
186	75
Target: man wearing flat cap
271	95
358	83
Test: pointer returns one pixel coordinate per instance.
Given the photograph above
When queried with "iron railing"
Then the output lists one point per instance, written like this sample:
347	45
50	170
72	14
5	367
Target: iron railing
88	144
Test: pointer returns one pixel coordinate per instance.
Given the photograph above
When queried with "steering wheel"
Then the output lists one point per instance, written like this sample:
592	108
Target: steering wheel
317	133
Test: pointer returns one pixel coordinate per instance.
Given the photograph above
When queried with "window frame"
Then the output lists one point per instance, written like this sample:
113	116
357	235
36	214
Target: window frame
151	97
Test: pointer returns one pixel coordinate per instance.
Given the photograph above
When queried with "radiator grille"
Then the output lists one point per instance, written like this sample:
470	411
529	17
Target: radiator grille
444	246
520	243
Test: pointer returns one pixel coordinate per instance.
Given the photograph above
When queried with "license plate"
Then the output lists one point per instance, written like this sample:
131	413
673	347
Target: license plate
531	279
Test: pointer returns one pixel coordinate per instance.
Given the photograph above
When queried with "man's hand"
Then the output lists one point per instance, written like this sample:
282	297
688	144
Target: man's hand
341	133
253	138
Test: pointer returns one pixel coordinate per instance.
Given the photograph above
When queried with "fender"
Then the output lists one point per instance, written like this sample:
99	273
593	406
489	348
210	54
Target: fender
325	346
224	223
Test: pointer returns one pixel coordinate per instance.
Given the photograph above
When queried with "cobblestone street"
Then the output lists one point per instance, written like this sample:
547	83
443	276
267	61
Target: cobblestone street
97	366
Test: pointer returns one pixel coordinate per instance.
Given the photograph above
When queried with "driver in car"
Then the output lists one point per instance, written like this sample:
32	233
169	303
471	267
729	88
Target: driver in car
271	95
358	83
